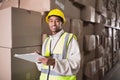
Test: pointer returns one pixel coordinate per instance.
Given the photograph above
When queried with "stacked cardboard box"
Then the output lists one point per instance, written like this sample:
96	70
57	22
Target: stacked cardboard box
80	2
77	29
88	14
38	5
19	28
92	69
90	42
41	6
97	18
20	33
91	3
99	29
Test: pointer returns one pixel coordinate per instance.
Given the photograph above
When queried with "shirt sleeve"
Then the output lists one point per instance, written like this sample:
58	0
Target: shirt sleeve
39	65
71	65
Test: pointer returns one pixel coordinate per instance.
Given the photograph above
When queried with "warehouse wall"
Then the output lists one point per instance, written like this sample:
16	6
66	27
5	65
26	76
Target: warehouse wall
95	22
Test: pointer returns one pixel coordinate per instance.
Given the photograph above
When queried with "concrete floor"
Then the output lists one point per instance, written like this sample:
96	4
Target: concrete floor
114	74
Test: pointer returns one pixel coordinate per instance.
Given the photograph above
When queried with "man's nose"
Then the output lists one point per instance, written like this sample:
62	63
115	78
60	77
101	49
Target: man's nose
54	22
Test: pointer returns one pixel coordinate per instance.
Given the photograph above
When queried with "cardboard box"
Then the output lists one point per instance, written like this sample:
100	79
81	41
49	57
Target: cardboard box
109	32
17	69
98	40
102	19
46	5
44	25
100	63
37	5
19	28
88	14
90	42
111	15
104	12
99	51
97	18
90	69
99	29
88	28
108	22
77	29
71	11
91	3
80	2
88	56
112	23
99	6
44	36
67	25
117	24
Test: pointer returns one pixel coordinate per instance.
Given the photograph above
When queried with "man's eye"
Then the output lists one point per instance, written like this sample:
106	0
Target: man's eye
57	21
50	21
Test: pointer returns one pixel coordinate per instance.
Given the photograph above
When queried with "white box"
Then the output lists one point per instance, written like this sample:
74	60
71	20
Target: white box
19	28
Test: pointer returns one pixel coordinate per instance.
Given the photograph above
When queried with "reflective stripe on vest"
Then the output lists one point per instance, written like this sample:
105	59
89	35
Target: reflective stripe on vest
60	52
51	77
61	46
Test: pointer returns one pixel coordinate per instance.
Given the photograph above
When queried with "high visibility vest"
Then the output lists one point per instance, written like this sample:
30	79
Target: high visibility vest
59	52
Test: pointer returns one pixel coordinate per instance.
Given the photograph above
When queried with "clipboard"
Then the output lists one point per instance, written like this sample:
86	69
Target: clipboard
31	57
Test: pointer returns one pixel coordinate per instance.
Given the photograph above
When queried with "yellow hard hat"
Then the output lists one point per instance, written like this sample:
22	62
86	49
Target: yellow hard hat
56	12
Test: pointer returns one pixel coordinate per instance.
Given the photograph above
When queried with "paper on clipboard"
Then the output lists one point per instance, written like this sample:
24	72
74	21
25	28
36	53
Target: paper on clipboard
32	57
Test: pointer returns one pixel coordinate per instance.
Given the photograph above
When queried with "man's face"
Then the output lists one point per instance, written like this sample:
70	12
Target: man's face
55	24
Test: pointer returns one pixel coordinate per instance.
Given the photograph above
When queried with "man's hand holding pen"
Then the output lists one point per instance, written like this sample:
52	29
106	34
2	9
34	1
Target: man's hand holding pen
47	61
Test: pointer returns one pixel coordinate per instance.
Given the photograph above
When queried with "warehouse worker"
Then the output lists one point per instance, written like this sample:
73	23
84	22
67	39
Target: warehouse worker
61	51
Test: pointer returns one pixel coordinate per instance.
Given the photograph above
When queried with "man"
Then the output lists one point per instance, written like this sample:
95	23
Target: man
61	51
